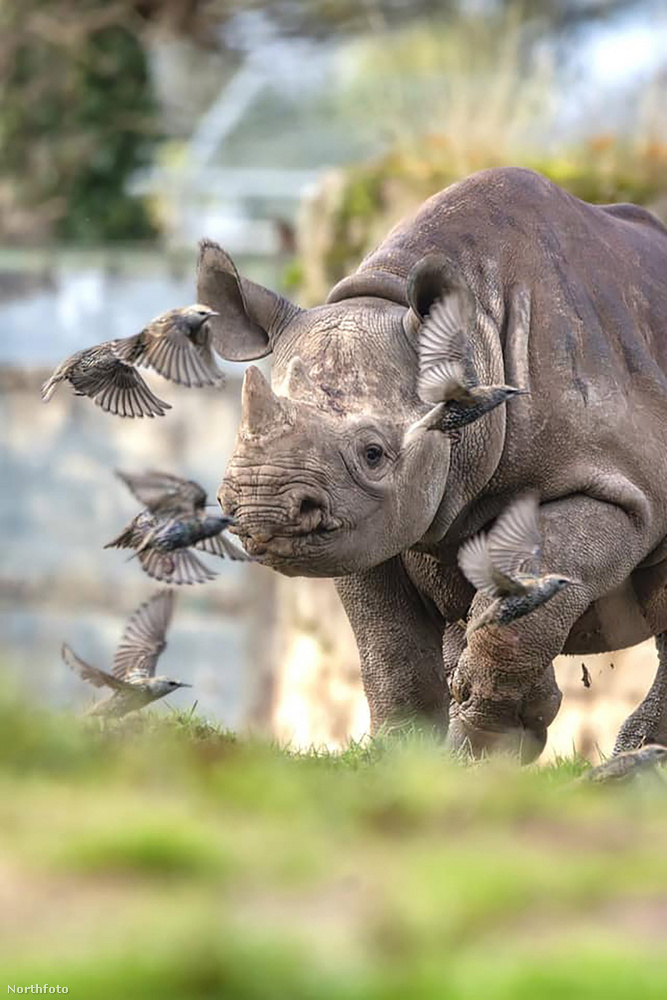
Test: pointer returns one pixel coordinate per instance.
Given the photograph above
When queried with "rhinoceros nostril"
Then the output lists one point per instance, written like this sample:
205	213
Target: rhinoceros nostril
310	514
308	506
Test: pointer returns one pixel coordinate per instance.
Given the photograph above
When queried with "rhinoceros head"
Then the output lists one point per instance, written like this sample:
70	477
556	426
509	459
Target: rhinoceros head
328	476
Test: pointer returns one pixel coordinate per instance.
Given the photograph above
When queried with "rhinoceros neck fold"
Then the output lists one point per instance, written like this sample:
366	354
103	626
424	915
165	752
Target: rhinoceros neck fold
477	453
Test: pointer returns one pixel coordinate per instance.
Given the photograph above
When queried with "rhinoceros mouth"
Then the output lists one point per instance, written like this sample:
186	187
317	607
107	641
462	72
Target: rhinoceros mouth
287	545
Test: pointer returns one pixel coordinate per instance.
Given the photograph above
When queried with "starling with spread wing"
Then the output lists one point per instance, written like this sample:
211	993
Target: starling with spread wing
132	680
505	565
177	345
173	523
161	546
163	493
112	384
447	376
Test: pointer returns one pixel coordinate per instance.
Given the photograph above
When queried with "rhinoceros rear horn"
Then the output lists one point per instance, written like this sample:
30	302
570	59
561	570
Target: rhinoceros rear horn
298	383
433	278
250	317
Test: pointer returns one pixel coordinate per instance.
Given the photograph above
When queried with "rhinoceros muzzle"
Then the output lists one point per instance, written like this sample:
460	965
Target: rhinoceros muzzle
274	491
285	515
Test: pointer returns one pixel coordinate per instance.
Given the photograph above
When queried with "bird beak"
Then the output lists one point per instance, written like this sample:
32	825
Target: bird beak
184	685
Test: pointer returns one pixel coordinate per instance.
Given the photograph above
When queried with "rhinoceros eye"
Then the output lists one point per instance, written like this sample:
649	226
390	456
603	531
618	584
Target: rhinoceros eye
373	455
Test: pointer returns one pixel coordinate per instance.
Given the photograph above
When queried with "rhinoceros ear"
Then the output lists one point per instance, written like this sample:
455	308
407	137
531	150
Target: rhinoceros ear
432	278
250	317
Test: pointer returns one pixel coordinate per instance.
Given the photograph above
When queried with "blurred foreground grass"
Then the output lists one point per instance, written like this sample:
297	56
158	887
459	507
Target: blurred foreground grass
163	858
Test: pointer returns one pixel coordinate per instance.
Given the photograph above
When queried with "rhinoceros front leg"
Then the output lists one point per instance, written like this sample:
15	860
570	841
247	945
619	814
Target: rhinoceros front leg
648	722
504	693
399	635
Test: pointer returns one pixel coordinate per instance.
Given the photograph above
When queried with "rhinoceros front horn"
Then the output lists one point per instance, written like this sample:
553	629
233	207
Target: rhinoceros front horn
261	410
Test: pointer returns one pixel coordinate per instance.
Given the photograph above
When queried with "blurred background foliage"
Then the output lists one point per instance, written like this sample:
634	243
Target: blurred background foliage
438	87
78	117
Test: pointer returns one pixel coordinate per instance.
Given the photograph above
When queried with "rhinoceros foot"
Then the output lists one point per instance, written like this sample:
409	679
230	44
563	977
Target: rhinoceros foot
467	738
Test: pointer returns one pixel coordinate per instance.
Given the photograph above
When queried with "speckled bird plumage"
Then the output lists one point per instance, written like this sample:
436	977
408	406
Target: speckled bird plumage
626	765
177	345
174	521
504	564
132	679
115	386
447	375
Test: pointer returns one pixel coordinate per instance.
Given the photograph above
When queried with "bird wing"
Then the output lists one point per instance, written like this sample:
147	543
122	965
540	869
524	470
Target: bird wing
174	355
515	541
476	565
60	373
118	389
100	678
130	536
445	365
50	386
218	545
164	493
144	637
178	567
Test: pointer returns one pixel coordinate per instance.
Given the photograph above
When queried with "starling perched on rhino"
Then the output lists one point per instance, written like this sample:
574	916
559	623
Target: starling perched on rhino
567	301
132	680
447	374
505	565
176	345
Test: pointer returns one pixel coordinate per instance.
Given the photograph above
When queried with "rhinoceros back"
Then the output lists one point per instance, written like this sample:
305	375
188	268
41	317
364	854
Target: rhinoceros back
601	267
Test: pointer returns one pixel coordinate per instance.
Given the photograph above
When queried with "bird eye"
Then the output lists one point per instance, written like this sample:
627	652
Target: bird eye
373	454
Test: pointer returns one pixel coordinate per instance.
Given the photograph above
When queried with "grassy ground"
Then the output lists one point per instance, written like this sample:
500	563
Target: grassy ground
166	859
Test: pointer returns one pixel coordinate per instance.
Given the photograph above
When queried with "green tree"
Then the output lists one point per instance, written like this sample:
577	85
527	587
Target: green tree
77	117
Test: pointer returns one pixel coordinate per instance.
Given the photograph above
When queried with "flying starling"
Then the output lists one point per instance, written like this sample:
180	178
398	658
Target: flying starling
174	520
447	374
163	493
132	679
99	373
505	564
624	766
177	345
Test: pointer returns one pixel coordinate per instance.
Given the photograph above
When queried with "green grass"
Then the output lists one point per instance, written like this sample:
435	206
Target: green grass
165	857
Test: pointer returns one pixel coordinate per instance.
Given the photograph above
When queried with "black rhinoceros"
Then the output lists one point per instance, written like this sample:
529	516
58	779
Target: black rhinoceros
325	480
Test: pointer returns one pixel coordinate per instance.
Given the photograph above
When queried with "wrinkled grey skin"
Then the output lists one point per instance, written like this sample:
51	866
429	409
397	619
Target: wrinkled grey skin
572	305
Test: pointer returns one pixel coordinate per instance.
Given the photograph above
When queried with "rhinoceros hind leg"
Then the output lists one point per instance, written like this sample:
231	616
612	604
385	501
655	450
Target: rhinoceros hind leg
648	722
